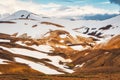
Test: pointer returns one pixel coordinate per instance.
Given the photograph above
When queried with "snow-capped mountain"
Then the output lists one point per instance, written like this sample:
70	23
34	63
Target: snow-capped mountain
40	44
43	24
23	14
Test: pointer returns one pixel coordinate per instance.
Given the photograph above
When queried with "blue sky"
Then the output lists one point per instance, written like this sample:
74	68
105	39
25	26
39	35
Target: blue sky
63	8
105	4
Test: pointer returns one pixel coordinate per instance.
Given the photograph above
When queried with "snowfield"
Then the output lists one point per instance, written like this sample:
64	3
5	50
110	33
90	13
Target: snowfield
23	25
38	66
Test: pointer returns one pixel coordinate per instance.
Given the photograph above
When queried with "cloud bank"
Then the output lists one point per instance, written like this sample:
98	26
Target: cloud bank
50	9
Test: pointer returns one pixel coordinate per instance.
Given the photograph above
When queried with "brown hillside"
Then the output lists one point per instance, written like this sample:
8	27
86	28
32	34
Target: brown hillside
101	59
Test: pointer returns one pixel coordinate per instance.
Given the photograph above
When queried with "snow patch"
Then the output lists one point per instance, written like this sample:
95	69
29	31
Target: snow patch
61	46
63	36
2	61
86	54
38	67
62	41
79	47
3	40
26	52
44	48
20	43
81	65
57	59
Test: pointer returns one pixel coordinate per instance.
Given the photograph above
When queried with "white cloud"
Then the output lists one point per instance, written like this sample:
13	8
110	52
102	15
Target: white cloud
10	6
51	9
107	2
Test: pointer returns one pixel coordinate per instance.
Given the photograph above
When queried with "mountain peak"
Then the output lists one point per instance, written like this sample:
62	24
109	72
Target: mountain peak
23	14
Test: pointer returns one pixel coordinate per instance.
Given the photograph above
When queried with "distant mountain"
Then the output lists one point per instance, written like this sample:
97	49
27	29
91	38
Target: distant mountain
23	14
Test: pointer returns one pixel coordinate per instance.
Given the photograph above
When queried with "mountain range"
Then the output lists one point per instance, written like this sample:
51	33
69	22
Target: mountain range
31	43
